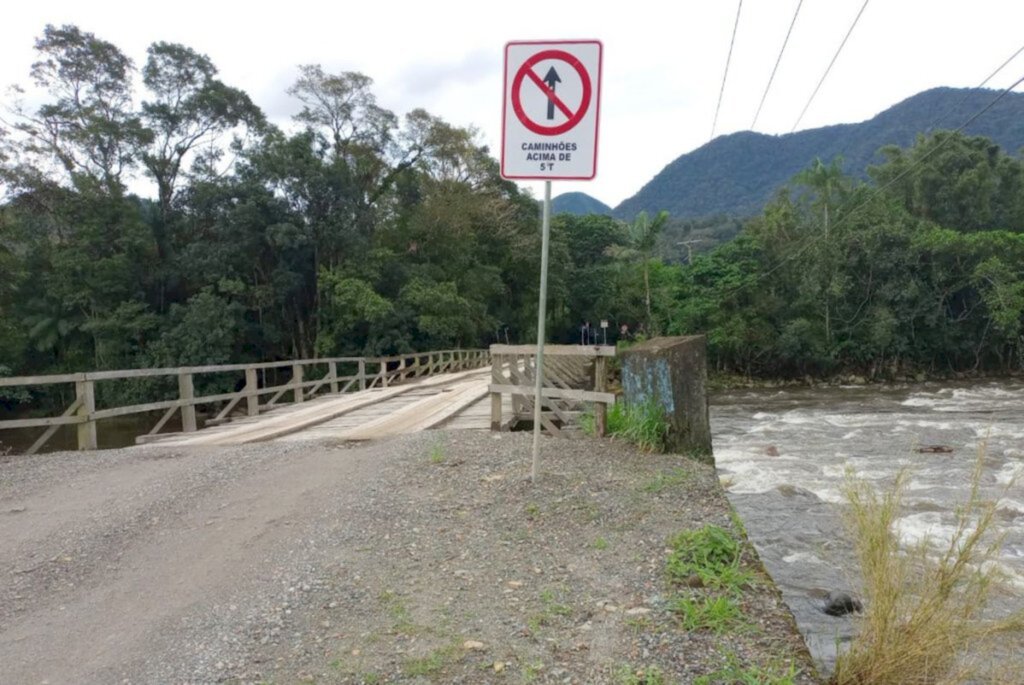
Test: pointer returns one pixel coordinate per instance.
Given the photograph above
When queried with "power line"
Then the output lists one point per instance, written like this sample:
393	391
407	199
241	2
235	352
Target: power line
968	95
829	68
878	191
777	61
721	91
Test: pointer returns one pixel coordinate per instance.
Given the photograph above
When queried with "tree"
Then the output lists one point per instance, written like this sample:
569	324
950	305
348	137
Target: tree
90	127
957	181
641	240
188	114
828	185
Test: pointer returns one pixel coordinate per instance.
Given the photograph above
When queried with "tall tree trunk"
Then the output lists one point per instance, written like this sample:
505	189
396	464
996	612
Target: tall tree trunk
647	299
828	283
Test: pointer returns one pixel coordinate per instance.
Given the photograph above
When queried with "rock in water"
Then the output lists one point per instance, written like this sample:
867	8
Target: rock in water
841	604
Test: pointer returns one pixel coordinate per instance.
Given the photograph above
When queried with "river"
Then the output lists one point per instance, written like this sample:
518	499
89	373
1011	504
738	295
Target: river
783	455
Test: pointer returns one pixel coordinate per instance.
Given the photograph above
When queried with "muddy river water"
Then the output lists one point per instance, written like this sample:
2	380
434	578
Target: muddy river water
783	455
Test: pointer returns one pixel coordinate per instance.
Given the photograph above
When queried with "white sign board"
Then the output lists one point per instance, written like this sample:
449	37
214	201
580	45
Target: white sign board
551	111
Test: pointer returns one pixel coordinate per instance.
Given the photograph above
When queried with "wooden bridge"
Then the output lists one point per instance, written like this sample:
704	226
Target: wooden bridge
345	398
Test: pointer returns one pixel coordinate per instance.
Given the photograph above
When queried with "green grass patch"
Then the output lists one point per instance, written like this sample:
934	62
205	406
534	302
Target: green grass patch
717	614
712	554
734	673
431	664
647	675
437	455
600	544
666	480
643	424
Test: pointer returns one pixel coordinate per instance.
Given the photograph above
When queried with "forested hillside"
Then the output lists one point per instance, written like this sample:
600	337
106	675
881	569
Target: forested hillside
578	203
920	271
738	174
359	231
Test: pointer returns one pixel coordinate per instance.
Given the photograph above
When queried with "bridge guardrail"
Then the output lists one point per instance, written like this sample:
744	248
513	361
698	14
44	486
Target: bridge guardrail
82	412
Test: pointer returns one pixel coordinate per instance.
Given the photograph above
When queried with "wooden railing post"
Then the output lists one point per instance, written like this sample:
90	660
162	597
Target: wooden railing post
600	408
186	393
401	369
86	392
497	377
362	374
252	399
332	371
384	373
430	364
297	381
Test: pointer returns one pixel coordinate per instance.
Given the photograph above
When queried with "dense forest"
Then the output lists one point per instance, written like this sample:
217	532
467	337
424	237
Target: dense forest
357	231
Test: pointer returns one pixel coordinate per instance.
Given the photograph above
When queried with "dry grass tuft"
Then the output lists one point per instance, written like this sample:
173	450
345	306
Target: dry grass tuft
925	617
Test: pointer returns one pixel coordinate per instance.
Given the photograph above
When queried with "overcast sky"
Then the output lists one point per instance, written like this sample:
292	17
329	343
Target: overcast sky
663	61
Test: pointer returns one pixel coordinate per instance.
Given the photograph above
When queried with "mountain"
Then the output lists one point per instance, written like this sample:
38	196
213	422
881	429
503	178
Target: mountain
578	203
738	173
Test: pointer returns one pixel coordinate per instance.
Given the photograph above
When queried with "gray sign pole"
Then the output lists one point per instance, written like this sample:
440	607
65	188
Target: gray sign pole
542	311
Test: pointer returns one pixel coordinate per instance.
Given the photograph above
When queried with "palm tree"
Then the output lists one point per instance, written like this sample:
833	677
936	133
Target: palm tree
826	181
641	240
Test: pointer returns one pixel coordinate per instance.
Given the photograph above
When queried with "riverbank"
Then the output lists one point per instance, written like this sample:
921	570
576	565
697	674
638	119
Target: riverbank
429	558
718	382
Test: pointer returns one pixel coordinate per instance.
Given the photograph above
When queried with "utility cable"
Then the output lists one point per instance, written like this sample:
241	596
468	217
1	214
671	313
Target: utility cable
777	61
721	91
878	191
829	68
968	94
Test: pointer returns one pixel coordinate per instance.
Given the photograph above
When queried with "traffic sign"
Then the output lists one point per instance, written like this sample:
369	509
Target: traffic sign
551	109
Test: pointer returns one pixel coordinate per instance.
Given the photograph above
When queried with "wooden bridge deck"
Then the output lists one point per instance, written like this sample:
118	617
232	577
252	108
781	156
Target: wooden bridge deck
409	393
456	400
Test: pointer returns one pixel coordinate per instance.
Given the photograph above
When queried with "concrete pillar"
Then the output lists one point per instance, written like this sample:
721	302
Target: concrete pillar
672	372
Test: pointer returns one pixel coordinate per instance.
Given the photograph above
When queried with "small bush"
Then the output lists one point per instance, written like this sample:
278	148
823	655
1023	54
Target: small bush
925	607
734	673
641	424
717	614
711	553
649	675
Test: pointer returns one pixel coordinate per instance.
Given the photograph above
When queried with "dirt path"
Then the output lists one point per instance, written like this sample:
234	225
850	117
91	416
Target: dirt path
423	559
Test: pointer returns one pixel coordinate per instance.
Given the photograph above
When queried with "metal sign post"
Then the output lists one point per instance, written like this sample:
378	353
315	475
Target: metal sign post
549	130
542	311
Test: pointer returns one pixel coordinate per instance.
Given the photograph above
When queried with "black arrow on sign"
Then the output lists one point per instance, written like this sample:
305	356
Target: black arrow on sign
551	79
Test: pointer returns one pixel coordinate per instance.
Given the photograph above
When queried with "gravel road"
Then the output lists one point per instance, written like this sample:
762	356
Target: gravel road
426	558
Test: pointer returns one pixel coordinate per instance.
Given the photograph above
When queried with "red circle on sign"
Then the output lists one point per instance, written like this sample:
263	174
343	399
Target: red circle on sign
517	85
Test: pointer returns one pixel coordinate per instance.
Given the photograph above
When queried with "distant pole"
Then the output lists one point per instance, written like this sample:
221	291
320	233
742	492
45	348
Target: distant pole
542	311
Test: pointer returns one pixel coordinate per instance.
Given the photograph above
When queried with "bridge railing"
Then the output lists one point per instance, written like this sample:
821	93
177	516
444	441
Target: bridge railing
573	375
307	378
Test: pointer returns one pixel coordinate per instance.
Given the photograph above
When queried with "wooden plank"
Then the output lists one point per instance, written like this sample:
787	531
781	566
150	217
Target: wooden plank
41	423
48	433
227	408
161	423
186	393
297	383
85	392
14	381
252	398
302	418
557	350
600	408
423	413
560	393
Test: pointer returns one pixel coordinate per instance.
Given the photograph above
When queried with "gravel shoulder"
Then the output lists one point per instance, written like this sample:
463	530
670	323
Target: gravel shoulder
427	558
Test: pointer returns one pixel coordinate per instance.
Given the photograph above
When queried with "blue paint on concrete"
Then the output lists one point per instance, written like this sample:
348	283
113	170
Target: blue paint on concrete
663	385
651	382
